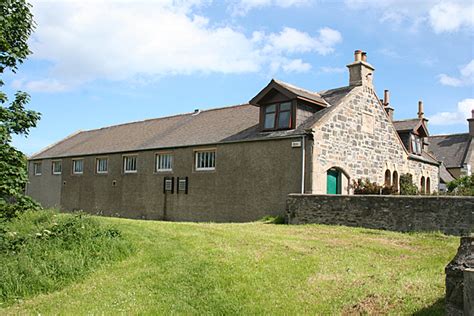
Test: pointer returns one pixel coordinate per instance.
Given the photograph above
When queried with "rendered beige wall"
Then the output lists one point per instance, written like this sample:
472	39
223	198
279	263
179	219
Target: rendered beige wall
46	189
251	180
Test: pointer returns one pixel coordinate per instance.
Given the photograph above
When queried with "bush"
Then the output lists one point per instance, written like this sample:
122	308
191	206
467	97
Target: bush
43	251
371	188
273	219
407	187
462	186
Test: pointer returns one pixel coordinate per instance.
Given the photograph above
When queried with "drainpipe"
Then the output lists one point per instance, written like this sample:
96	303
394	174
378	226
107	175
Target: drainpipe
303	162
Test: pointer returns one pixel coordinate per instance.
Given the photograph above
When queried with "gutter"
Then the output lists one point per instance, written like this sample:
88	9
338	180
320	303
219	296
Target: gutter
303	162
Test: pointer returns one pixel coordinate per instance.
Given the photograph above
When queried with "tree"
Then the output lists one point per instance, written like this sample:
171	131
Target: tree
462	186
16	26
407	187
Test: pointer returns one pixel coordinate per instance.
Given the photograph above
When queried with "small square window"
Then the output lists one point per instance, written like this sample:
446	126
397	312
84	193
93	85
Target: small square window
164	162
102	165
205	160
77	166
37	168
57	167
168	185
130	164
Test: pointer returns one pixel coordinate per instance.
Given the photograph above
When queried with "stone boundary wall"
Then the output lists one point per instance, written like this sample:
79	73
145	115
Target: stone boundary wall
450	215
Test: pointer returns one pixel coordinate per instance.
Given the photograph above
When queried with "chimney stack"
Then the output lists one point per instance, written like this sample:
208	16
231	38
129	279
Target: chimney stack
360	71
471	124
386	104
421	114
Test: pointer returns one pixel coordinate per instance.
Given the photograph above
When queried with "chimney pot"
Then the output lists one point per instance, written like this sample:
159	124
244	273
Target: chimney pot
471	124
364	56
421	114
386	98
358	55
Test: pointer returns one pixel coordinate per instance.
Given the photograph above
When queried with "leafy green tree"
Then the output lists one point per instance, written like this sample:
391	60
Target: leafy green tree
407	187
16	26
462	186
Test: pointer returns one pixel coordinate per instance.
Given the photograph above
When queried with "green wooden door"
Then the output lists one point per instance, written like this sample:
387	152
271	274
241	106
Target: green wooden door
333	182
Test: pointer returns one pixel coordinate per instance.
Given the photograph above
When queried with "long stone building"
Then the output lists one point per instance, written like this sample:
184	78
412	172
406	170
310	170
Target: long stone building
237	163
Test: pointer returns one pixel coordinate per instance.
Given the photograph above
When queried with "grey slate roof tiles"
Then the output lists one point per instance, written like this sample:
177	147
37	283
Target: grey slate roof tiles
450	149
406	125
234	123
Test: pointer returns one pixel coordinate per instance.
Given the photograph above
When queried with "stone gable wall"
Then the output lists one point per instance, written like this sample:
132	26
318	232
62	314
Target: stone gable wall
359	138
450	215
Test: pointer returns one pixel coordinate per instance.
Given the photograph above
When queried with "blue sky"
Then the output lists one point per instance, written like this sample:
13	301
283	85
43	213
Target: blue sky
99	63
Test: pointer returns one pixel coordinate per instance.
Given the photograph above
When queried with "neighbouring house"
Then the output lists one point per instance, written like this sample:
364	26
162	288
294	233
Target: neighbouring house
456	151
236	163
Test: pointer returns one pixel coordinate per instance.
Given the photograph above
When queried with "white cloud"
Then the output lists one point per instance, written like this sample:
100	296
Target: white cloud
296	65
326	69
44	85
242	7
462	113
451	16
293	41
441	16
119	40
466	77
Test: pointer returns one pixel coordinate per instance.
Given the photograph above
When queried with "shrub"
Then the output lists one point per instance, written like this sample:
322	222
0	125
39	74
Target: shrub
407	187
364	186
273	219
462	186
43	251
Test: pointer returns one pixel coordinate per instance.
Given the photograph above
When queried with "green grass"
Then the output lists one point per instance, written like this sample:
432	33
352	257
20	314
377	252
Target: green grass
45	251
259	268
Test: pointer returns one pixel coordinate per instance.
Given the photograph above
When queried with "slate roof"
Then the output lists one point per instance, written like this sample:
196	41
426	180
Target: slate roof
406	125
450	149
228	124
444	174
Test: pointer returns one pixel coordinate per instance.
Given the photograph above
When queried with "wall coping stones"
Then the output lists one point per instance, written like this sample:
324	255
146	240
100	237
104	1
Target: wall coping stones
452	215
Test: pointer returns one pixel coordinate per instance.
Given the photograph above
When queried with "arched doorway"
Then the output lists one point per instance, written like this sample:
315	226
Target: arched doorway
333	181
388	178
395	180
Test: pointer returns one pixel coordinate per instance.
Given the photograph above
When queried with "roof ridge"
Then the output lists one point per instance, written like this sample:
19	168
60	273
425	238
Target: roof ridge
164	117
295	87
54	144
405	120
444	135
321	92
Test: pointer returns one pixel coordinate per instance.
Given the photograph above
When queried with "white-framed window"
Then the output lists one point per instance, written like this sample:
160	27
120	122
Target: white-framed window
205	160
102	165
57	167
163	162
130	164
416	144
77	166
37	168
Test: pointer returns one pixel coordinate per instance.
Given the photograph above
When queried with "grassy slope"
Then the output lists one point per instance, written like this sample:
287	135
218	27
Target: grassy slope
260	268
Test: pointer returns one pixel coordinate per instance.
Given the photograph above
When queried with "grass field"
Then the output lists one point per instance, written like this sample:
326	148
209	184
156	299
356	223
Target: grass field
258	268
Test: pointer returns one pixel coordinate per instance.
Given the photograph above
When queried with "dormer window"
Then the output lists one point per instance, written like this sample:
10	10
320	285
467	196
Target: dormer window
416	144
277	116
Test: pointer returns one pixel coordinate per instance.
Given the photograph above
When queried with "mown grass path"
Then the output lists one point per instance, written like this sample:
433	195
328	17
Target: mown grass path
257	268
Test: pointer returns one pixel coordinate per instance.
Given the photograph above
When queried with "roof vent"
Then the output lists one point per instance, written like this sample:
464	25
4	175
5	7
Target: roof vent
196	112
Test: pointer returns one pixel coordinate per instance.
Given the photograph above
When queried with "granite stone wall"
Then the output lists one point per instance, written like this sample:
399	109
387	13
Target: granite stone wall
450	215
358	138
459	280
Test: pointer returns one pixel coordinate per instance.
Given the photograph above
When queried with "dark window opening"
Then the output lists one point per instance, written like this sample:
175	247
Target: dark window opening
278	116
